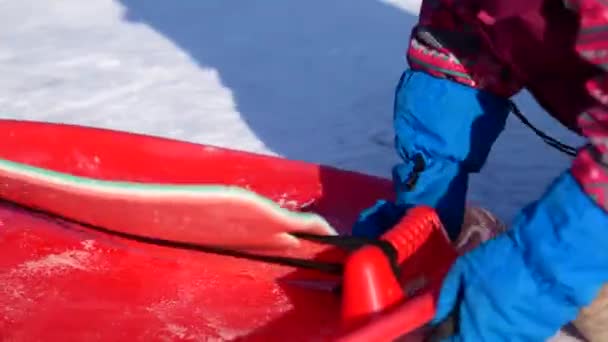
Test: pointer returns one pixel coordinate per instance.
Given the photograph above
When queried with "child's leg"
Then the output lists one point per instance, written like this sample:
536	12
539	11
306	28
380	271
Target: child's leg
444	132
480	225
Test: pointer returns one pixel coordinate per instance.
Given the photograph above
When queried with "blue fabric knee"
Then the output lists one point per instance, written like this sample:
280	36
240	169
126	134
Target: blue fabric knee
451	128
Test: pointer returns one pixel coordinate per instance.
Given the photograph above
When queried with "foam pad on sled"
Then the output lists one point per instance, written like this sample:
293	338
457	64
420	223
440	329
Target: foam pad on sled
219	216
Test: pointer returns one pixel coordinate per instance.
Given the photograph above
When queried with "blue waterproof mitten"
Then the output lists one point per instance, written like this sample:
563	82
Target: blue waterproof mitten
443	132
527	283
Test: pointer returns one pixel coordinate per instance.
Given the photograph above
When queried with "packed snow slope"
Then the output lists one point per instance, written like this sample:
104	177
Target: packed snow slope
310	80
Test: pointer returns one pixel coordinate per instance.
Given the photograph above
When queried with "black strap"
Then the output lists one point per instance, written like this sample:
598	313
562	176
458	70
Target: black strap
352	243
346	242
567	149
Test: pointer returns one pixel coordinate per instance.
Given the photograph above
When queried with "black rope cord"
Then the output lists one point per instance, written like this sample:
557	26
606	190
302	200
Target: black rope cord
567	149
349	243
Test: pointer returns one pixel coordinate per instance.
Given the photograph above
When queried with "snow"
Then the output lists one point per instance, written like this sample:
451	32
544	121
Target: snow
310	80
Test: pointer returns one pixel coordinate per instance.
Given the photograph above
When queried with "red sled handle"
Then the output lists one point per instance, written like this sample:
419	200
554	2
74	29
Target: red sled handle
375	306
405	319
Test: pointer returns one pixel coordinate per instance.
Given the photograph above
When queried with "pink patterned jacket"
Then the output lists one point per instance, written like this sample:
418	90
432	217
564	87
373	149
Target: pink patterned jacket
557	49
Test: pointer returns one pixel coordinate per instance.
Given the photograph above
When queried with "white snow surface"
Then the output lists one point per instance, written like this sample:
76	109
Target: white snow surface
310	80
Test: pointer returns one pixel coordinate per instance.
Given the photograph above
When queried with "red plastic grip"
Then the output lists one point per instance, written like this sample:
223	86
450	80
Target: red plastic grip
413	231
371	290
370	286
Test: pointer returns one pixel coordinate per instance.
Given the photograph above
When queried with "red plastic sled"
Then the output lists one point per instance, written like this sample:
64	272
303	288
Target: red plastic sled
64	281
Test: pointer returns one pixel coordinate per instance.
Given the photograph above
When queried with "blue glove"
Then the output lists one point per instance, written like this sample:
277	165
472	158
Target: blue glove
527	283
443	132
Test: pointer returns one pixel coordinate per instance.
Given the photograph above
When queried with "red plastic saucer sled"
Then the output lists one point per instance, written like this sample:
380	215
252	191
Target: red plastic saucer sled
113	236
